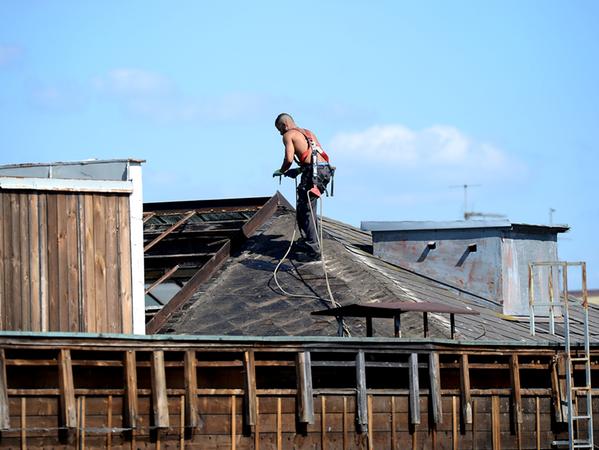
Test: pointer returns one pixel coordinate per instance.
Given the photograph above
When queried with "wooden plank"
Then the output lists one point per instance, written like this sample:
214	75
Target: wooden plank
393	423
13	306
159	396
466	399
63	269
249	388
89	264
279	425
25	258
435	387
370	434
8	277
52	261
112	267
131	408
190	287
305	395
474	424
495	420
345	426
191	391
562	388
4	408
43	258
169	230
361	401
23	423
323	422
454	423
257	427
72	264
515	397
35	323
109	423
82	422
182	408
124	261
414	389
100	263
537	423
68	417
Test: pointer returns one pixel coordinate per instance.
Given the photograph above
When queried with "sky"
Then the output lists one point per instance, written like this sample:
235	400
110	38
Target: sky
410	99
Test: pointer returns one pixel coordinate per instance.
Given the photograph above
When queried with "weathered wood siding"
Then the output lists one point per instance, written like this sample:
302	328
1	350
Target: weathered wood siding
110	393
65	261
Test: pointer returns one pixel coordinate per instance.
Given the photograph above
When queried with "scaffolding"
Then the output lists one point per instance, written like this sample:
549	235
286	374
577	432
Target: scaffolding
548	290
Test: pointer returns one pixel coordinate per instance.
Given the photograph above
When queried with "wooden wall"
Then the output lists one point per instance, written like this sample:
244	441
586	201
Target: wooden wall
92	393
65	261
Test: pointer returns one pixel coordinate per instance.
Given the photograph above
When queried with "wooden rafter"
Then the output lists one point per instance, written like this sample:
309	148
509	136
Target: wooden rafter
172	228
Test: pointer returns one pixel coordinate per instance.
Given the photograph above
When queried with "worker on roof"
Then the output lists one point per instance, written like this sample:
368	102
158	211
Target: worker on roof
300	145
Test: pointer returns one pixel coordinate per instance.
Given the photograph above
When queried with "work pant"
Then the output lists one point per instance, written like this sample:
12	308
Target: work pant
304	217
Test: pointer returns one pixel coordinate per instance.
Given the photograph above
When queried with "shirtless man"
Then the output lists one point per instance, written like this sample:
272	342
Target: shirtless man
298	148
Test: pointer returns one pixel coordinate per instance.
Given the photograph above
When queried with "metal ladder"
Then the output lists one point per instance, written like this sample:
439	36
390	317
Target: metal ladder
561	300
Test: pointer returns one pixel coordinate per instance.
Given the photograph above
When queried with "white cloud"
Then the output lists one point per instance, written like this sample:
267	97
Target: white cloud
60	97
156	97
133	82
9	53
439	150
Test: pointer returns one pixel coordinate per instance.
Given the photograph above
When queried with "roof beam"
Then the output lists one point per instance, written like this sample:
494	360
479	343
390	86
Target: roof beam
169	230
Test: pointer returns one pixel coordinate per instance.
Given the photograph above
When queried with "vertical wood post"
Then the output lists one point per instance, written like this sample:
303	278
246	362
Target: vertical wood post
465	390
370	434
68	408
496	422
361	400
558	388
191	390
414	390
233	423
305	396
454	423
435	387
159	397
109	423
515	397
323	422
23	423
279	424
130	416
250	388
4	411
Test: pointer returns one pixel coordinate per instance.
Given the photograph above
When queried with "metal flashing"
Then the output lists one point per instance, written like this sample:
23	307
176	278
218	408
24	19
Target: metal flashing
375	226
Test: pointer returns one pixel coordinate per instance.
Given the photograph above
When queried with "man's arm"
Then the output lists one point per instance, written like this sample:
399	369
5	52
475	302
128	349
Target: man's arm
289	153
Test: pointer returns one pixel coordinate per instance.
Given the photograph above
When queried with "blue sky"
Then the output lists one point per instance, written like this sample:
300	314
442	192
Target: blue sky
408	98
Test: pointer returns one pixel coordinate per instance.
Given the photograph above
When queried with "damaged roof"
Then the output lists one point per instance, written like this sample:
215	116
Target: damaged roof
239	294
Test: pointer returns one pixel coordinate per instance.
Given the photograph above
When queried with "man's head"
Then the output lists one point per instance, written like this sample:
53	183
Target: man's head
284	122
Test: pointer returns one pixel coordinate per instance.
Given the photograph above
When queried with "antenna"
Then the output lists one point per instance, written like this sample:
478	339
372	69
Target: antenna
465	187
551	211
469	214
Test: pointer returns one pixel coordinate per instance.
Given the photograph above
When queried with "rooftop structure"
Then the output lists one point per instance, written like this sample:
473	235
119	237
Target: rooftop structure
488	258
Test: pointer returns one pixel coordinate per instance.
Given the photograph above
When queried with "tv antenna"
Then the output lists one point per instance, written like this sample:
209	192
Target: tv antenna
470	214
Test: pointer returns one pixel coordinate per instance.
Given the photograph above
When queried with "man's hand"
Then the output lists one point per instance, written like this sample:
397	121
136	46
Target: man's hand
277	173
292	173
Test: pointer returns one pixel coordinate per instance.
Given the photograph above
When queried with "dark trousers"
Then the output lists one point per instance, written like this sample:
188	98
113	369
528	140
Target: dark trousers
304	216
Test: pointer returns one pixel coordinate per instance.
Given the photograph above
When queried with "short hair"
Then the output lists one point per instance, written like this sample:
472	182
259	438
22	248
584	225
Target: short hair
283	117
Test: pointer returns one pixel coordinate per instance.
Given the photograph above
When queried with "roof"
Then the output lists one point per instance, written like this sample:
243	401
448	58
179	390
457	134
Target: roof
240	297
459	225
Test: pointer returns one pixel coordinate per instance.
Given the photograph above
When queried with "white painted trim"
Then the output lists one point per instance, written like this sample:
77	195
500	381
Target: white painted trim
137	250
66	185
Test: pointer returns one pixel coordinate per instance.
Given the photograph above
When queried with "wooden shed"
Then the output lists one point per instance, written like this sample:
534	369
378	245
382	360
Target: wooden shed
71	256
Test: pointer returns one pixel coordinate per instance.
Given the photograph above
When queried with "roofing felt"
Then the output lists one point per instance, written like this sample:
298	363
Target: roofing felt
243	299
